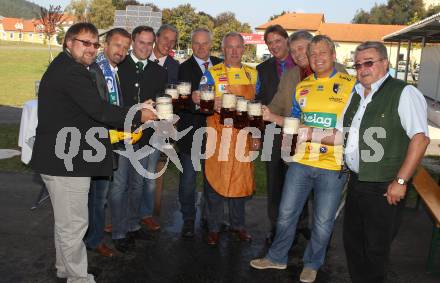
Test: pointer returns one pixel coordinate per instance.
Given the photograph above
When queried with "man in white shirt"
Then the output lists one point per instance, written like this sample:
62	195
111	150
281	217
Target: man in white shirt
387	138
166	39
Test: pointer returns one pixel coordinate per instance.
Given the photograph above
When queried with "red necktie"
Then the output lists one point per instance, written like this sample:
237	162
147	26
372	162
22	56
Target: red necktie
206	65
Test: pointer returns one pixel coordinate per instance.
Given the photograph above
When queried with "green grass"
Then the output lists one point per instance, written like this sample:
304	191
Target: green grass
21	65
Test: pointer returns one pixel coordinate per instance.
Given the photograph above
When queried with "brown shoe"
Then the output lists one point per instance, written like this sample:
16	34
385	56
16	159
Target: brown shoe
105	251
242	235
212	238
151	224
108	228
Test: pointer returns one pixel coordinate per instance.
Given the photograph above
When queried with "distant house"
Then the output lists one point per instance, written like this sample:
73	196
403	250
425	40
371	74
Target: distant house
345	36
16	29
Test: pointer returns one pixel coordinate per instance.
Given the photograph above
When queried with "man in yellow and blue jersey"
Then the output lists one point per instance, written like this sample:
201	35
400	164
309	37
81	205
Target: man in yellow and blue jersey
319	101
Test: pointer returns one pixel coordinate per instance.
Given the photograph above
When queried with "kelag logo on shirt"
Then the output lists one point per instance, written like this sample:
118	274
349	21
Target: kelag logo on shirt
319	119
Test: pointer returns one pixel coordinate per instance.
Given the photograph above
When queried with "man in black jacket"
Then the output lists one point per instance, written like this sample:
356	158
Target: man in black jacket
192	71
269	74
166	39
72	144
140	80
117	42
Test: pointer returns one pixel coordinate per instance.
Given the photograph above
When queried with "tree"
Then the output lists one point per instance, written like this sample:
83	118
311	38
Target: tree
278	15
119	4
432	10
79	9
224	23
60	36
102	13
395	12
50	21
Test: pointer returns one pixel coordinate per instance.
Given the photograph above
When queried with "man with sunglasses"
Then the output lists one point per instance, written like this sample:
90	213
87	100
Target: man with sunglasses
395	115
69	106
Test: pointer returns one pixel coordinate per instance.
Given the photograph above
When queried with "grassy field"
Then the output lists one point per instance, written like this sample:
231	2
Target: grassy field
21	65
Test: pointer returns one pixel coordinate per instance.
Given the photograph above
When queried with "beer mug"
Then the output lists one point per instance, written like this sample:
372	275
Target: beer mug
184	90
290	135
172	91
255	118
241	113
164	107
227	112
207	95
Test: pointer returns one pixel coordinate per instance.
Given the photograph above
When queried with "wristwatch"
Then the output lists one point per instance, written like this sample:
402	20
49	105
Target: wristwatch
401	181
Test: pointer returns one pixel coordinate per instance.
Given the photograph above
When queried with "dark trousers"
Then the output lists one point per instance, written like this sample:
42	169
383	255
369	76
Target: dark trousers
215	210
370	225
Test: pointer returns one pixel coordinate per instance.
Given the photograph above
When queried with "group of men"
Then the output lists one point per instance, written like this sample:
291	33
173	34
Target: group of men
82	90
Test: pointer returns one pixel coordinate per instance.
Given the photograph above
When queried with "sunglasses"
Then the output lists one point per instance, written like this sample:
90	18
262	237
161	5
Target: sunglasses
87	43
367	64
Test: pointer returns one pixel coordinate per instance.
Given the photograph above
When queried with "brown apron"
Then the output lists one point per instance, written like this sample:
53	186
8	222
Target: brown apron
230	178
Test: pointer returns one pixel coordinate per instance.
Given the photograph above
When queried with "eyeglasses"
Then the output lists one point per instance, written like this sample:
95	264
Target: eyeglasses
367	64
87	43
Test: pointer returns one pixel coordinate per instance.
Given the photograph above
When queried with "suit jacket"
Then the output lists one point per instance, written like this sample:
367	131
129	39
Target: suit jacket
269	80
281	103
101	84
172	67
191	72
68	97
148	84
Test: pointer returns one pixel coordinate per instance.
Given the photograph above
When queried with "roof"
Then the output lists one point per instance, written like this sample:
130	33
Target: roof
429	28
9	24
357	32
296	21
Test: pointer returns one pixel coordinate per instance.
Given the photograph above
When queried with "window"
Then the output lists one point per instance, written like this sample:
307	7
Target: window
30	35
11	35
20	35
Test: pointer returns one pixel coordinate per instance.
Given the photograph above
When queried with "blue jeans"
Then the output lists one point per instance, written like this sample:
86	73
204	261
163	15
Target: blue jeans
124	198
149	185
327	186
187	188
215	210
97	200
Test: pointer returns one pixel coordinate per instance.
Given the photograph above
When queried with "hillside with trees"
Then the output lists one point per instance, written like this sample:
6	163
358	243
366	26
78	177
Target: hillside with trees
19	9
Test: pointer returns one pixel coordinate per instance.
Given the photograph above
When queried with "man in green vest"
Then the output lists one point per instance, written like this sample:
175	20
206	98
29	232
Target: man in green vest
387	138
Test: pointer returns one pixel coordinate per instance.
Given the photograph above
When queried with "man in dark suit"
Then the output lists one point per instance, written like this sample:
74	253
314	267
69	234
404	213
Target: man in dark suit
72	144
140	79
117	42
192	71
166	39
269	74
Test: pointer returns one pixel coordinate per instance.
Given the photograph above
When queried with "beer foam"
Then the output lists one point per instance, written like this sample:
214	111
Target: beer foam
164	110
229	100
207	95
242	105
184	88
163	99
291	126
254	109
174	93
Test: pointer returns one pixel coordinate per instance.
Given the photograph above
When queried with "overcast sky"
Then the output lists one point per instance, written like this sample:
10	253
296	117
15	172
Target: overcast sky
257	12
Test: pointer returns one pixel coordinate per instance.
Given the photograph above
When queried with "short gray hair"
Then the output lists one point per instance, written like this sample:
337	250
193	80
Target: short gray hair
167	27
301	34
378	46
205	30
232	34
322	38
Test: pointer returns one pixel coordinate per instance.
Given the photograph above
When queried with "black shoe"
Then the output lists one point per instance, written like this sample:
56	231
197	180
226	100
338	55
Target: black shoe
140	235
188	229
123	245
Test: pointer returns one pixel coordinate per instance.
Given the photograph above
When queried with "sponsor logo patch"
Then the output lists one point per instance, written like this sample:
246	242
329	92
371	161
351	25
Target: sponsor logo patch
237	76
336	99
302	102
336	88
319	119
320	88
222	87
323	149
304	92
222	79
